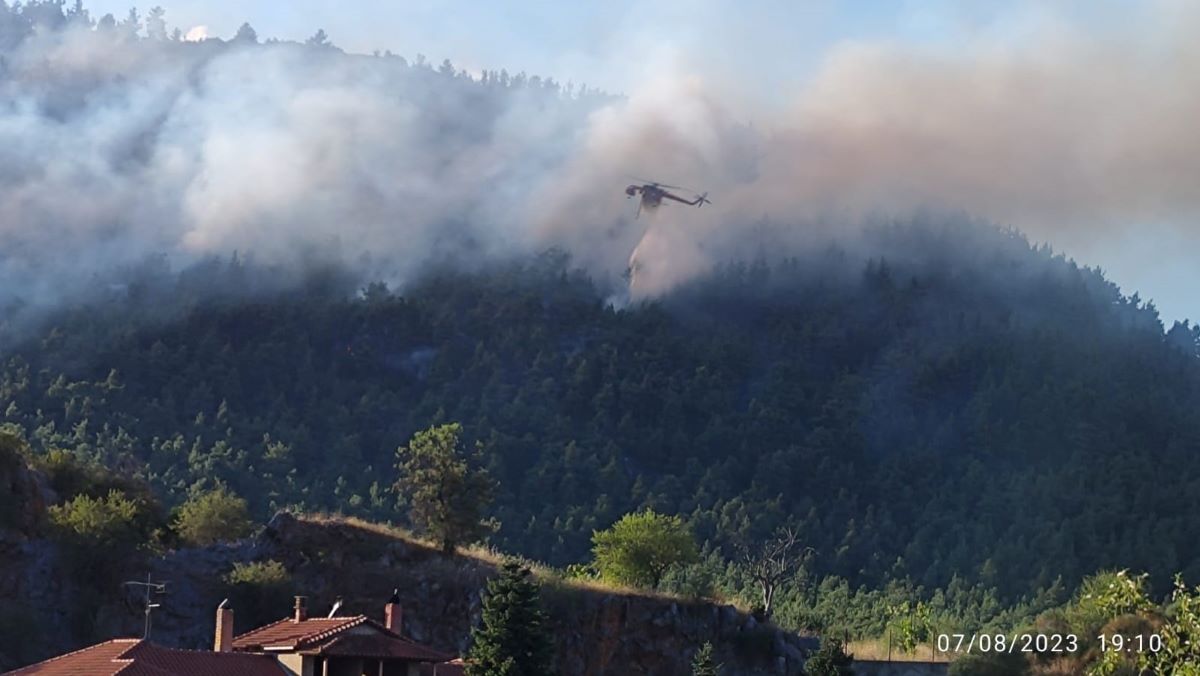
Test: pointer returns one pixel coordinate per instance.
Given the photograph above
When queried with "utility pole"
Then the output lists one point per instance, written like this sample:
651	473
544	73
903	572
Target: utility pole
150	589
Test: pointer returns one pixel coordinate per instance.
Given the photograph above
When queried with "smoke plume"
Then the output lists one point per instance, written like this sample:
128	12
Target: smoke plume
115	148
1076	138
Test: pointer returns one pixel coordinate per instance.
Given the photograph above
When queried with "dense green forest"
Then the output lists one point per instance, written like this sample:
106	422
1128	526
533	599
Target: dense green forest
969	411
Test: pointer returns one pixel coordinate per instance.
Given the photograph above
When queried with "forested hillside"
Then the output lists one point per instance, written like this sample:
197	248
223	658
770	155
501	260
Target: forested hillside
965	410
246	275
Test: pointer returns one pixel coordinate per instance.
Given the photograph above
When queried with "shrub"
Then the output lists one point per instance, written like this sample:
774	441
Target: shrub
213	516
103	523
101	536
640	548
695	580
990	664
70	475
259	574
1105	596
260	590
831	659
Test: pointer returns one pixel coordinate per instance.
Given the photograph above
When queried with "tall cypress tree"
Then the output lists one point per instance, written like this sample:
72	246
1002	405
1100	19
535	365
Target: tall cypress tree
512	639
703	664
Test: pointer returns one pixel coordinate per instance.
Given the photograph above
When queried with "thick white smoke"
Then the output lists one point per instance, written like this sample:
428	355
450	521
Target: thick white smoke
114	149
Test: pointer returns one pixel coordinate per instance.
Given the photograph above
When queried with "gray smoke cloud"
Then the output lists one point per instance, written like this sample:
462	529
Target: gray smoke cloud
113	149
1079	139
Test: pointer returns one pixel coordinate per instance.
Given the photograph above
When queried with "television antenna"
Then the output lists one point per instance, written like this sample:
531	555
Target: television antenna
151	588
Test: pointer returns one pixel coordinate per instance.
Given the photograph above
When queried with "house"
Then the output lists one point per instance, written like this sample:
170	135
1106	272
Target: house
298	645
353	645
139	657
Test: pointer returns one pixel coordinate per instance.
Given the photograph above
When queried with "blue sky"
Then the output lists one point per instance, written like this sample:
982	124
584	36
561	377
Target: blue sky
609	44
601	41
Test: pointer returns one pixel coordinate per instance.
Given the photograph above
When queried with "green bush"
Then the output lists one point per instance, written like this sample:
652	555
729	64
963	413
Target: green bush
640	548
1105	596
102	537
831	659
259	574
990	664
104	523
69	476
213	516
260	591
699	580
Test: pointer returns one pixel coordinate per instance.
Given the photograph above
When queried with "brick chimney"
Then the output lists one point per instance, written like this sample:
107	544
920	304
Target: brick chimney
223	642
393	614
301	612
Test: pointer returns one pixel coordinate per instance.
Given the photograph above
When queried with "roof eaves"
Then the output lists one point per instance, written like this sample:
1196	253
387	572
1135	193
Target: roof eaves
259	630
132	641
353	621
419	651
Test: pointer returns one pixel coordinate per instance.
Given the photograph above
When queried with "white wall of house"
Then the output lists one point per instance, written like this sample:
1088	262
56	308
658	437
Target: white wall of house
298	665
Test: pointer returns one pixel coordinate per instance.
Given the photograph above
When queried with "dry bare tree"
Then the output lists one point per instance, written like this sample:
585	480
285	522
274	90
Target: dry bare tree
773	562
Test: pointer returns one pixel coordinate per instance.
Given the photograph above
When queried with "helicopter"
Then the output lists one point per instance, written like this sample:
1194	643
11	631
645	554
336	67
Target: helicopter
653	193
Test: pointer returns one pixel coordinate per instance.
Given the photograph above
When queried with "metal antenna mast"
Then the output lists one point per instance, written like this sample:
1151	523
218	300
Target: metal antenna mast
150	588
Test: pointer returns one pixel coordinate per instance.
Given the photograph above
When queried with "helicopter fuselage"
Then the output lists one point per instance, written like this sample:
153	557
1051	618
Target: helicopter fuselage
652	195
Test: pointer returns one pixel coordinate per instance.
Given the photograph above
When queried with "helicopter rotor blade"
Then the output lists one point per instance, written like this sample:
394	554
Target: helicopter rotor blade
656	183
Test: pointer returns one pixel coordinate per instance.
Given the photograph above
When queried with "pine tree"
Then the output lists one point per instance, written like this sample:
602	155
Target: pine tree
246	34
830	660
512	639
703	663
319	39
444	488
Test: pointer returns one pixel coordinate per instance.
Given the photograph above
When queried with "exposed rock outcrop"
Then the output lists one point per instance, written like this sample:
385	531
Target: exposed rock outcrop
24	496
597	631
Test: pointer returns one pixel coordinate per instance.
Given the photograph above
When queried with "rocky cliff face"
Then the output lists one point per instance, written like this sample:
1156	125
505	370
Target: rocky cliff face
24	497
26	564
597	631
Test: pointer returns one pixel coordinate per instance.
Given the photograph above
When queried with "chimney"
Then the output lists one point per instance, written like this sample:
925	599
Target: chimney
301	613
223	642
393	614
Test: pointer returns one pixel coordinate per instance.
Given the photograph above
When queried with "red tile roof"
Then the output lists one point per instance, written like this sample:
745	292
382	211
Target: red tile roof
137	657
290	634
378	646
326	636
